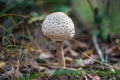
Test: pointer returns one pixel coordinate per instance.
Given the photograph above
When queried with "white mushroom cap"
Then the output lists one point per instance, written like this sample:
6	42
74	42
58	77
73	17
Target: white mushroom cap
58	26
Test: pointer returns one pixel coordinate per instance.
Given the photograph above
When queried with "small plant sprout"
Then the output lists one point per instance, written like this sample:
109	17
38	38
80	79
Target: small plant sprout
59	27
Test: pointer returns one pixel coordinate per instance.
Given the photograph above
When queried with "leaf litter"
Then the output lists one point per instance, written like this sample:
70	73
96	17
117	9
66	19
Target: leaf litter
39	56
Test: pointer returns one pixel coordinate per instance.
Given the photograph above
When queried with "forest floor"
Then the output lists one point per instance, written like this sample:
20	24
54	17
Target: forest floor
27	54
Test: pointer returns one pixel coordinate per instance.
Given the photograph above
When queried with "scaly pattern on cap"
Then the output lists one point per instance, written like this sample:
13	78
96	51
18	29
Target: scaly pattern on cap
58	26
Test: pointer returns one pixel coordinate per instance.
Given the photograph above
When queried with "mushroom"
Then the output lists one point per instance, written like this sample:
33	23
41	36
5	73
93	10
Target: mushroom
59	27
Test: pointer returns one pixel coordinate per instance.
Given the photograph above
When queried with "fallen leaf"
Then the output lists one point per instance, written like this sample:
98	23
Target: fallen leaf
14	73
2	64
36	66
80	44
49	72
93	77
87	54
80	62
73	53
89	61
46	55
68	60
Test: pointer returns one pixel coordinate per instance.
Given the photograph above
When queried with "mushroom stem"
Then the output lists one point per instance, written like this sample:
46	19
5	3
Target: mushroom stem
60	54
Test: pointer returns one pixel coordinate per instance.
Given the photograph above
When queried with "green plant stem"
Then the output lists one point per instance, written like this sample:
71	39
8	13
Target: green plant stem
78	72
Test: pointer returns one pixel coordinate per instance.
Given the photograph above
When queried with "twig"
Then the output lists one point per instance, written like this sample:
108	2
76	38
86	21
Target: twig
11	14
3	27
97	48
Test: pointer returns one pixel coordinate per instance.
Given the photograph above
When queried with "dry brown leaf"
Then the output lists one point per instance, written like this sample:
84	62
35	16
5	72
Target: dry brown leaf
67	49
87	54
73	53
80	44
2	64
46	55
114	49
69	60
117	66
36	66
14	73
93	77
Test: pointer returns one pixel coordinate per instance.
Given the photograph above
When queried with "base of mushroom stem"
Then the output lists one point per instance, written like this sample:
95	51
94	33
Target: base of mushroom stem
59	66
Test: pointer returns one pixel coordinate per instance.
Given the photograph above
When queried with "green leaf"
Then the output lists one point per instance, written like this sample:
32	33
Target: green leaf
111	23
78	72
35	18
55	1
69	72
95	32
65	9
59	7
34	14
7	8
104	36
80	62
32	76
83	10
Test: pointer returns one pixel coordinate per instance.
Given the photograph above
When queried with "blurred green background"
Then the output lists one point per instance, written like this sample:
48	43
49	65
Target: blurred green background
97	17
